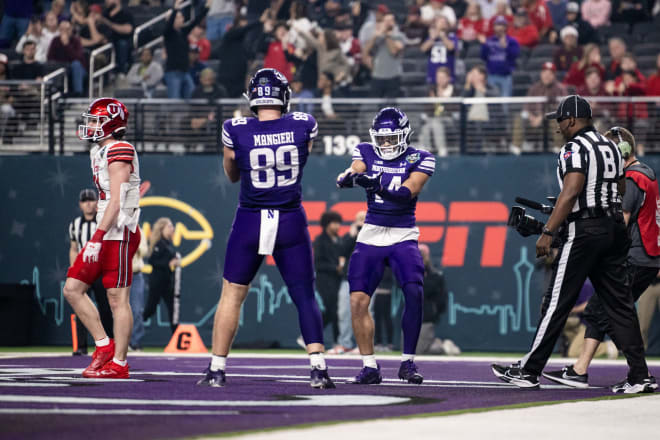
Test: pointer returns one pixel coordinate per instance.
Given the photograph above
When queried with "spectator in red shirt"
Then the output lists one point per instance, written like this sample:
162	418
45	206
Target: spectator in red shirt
472	24
653	83
539	15
569	52
590	57
593	84
197	37
279	50
501	9
628	85
66	48
629	64
523	31
617	48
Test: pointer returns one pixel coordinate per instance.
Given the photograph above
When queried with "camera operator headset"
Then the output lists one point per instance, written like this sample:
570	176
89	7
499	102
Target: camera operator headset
594	244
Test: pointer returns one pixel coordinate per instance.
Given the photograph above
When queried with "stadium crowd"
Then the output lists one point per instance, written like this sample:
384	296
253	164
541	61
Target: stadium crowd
342	48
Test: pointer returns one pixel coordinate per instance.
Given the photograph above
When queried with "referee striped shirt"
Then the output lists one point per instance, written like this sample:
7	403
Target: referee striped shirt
81	230
599	159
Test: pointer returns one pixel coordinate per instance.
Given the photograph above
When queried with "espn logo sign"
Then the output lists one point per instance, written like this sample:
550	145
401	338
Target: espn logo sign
436	222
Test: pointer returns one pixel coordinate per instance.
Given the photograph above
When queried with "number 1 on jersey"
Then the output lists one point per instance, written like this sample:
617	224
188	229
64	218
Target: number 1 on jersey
394	185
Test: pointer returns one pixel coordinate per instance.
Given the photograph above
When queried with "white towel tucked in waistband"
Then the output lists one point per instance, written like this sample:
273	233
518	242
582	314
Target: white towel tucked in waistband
129	207
270	220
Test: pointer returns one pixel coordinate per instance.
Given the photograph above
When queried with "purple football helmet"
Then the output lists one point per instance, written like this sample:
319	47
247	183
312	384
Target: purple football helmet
390	133
268	87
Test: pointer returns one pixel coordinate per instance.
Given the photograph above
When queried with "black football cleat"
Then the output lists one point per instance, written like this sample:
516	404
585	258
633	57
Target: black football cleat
319	379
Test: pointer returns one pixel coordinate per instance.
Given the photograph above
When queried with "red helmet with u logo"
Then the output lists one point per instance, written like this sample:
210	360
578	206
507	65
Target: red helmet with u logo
104	117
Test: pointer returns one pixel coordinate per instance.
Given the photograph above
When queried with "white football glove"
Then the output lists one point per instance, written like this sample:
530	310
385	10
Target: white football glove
91	252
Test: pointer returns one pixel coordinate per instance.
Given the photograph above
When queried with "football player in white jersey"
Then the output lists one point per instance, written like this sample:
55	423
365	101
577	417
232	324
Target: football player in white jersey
110	251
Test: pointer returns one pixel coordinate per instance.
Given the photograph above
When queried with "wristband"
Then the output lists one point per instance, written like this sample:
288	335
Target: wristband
402	194
98	236
547	231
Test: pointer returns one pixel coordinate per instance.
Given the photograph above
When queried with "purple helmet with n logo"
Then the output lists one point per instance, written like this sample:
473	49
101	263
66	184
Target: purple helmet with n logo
390	133
268	87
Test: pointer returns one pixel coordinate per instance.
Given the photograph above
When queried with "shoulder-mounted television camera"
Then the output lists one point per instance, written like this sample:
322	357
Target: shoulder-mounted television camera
524	223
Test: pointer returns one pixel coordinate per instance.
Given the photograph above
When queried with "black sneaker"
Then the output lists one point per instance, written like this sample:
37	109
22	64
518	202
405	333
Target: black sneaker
320	379
647	385
515	375
568	376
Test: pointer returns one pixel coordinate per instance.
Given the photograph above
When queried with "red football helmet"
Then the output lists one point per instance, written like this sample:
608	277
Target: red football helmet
105	117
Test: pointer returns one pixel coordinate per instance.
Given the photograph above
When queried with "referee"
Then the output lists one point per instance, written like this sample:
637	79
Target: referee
595	244
81	229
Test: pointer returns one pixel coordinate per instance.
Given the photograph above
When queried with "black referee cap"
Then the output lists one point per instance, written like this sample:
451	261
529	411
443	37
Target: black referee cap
87	194
572	106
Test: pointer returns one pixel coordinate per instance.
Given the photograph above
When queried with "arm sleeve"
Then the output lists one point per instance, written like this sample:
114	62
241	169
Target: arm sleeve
633	197
199	16
426	164
313	127
357	153
169	26
71	237
121	151
572	158
227	141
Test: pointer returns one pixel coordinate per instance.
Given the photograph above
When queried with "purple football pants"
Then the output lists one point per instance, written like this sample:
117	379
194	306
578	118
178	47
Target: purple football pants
365	271
293	257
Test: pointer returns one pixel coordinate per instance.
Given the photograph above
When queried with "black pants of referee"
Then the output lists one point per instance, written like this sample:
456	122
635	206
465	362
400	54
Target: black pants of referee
598	323
596	248
101	297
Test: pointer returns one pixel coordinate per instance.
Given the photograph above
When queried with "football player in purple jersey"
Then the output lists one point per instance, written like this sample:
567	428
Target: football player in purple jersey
267	154
393	174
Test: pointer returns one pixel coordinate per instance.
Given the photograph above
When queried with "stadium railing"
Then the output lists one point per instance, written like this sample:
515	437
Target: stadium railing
101	61
150	28
27	112
444	126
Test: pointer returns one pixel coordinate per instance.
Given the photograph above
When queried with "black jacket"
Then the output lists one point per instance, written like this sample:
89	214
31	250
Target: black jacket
326	255
162	276
435	295
176	42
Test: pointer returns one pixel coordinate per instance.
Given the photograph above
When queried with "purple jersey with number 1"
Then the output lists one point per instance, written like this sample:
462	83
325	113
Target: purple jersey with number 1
270	156
383	212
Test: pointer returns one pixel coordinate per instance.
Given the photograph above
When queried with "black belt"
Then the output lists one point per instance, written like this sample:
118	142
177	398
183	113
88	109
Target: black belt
597	212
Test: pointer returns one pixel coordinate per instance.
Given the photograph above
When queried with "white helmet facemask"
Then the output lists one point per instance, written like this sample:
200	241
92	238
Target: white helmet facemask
389	144
92	127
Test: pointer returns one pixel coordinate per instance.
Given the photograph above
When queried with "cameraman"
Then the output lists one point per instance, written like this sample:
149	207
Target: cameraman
639	210
595	244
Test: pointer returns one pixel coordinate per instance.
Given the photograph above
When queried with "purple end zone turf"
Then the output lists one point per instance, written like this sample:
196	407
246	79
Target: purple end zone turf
260	393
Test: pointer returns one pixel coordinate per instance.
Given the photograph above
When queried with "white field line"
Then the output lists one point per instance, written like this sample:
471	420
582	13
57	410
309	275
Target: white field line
299	400
422	358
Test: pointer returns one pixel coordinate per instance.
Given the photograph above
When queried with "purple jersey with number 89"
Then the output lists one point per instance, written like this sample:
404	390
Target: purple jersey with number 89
270	156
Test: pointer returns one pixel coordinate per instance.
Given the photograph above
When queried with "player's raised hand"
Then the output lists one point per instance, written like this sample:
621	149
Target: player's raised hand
346	179
370	183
